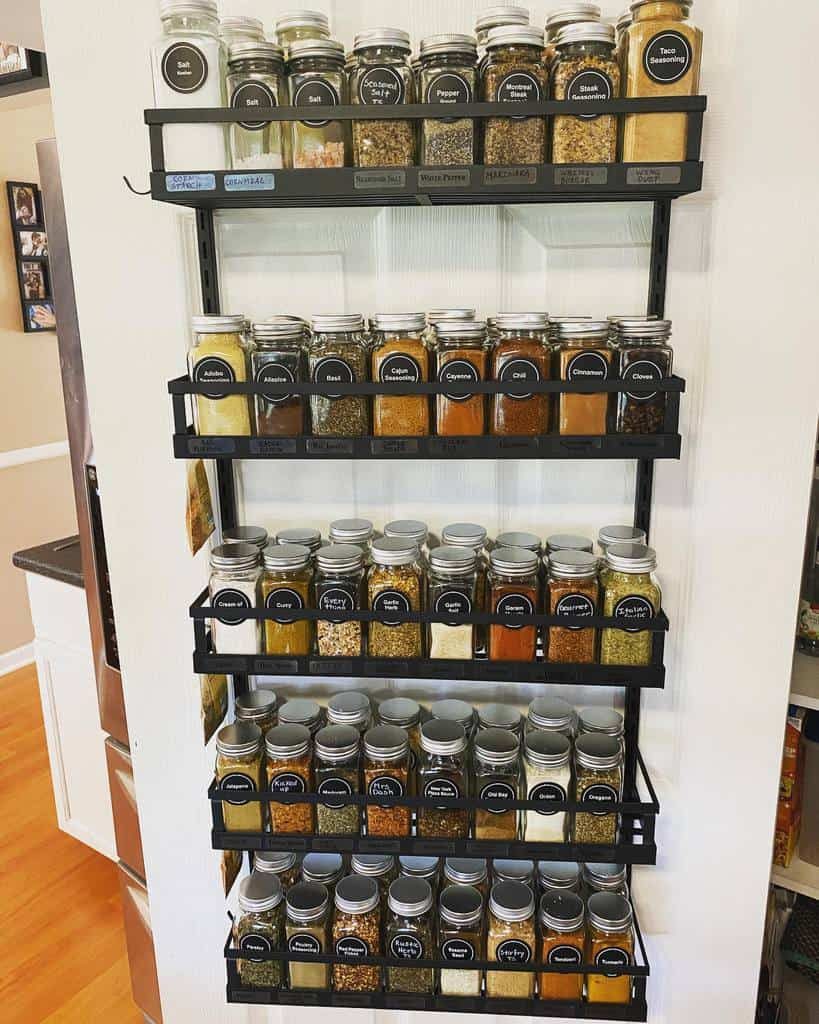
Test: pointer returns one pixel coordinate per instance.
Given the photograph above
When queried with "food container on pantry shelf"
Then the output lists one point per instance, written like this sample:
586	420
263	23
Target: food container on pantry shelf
394	584
337	354
610	944
443	773
239	771
428	868
307	930
350	708
622	24
473	871
511	939
568	542
240	29
386	775
382	75
219	355
448	74
496	768
326	868
521	353
567	14
246	535
356	933
460	939
404	713
609	535
453	710
518	539
605	878
584	357
288	772
598	763
471	535
294	26
283	864
548	771
643	356
409	935
632	596
339	588
358	532
380	866
461	357
258	707
514	871
497	15
437	316
514	589
572	589
515	72
551	714
302	711
411	530
307	536
605	720
336	772
500	716
259	928
234	580
255	79
399	356
317	79
286	586
558	876
279	358
452	589
562	944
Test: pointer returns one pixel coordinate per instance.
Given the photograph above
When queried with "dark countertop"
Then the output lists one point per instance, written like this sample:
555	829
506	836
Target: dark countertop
59	560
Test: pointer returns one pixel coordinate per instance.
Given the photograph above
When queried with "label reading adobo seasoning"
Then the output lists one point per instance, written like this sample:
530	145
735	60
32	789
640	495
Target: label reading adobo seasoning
513	951
249	96
548	793
520	371
230	601
213	370
601	797
391	601
237	782
275	373
575	605
458	949
633	609
255	944
381	85
405	946
315	93
519	87
667	57
498	791
515	604
284	599
453	602
332	370
184	67
304	944
643	371
589	86
459	371
399	369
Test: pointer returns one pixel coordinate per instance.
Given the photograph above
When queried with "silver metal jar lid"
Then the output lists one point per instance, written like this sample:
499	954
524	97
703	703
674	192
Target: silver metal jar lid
578	11
307	536
392	322
280	557
609	912
409	896
408	529
350	531
273	862
235	557
518	539
332	50
394	551
356	894
284	741
551	713
609	535
640	3
453	710
372	865
300	711
256	535
437	316
419	867
604	720
466	870
562	874
394	37
461	329
302	19
596	751
386	743
653	330
625	19
512	901
568	542
547	749
349	708
282	329
514	561
307	901
499	716
511	35
239	739
449	560
513	870
497	746
225	323
340	558
322	867
449	42
605	877
336	323
442	737
254	705
562	911
241	23
170	8
582	329
399	711
461	905
631	558
501	14
464	535
522	321
337	742
585	32
260	891
572	564
255	50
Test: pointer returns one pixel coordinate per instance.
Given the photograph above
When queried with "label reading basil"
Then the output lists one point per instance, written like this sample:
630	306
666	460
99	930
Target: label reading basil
213	370
667	57
230	603
386	786
336	599
437	789
315	93
633	609
405	946
498	791
519	87
391	601
275	373
184	67
250	96
283	599
612	957
332	370
600	797
255	944
515	604
642	371
458	949
237	782
587	366
304	944
381	85
453	602
287	782
334	787
577	605
519	371
548	793
589	86
565	956
513	951
459	371
352	947
399	369
448	87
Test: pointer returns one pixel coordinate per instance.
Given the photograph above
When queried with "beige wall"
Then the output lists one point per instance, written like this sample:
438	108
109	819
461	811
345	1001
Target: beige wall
36	498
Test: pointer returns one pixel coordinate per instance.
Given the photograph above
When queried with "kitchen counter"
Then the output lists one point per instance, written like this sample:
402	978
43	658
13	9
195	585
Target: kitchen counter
58	560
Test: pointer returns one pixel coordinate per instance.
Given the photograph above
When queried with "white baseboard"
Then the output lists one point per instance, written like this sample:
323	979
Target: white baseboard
10	661
39	453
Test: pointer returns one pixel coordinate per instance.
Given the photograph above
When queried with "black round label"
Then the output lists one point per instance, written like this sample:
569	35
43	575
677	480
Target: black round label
336	599
448	87
237	782
453	602
513	951
519	87
283	599
250	96
386	786
213	370
437	789
667	57
577	605
458	949
612	957
589	86
287	782
459	371
304	944
255	944
230	604
275	373
498	791
184	67
334	787
399	369
632	610
381	85
352	947
515	604
548	793
601	797
391	601
642	371
565	956
315	93
332	370
405	946
587	367
519	371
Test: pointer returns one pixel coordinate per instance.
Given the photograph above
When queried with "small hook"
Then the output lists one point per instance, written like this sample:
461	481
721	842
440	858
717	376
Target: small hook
135	191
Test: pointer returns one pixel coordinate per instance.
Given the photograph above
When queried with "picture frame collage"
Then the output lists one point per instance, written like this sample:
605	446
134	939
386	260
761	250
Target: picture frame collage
31	256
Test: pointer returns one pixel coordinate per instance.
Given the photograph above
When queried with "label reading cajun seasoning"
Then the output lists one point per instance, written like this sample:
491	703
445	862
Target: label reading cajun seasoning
589	86
565	956
574	605
184	67
352	947
213	370
380	85
667	57
643	371
230	601
405	946
399	369
303	943
275	373
334	787
498	791
287	782
633	609
519	87
255	944
315	93
458	949
459	371
284	599
515	604
601	797
250	95
513	951
391	601
548	793
453	602
332	370
386	786
612	957
519	371
237	782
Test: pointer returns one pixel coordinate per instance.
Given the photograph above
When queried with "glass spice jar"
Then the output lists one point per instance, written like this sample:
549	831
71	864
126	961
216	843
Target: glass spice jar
457	711
518	539
256	535
288	772
460	940
255	79
356	934
339	588
409	935
259	928
317	79
294	26
428	868
239	762
610	944
399	356
521	353
452	589
448	75
284	865
443	773
562	944
501	716
412	531
240	29
511	940
496	767
461	357
219	354
471	535
514	871
382	75
286	586
471	871
386	775
302	711
568	542
325	868
603	720
599	786
336	773
358	532
307	536
632	596
337	354
609	535
644	356
566	14
394	584
514	589
350	708
439	316
406	714
551	714
515	72
572	590
258	707
584	356
495	16
547	757
605	878
380	866
307	932
558	876
278	358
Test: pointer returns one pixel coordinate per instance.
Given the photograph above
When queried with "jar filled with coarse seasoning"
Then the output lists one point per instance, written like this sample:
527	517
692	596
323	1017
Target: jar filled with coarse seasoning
285	586
337	354
288	772
547	757
256	79
567	14
359	532
350	708
461	357
382	867
514	589
233	586
514	871
521	354
586	69
336	773
258	707
609	535
605	878
448	75
394	584
453	710
382	75
632	596
562	944
219	354
643	356
399	356
284	865
599	786
452	589
307	930
279	358
572	590
558	876
239	762
501	716
443	773
307	535
551	714
584	357
317	79
294	26
409	935
515	73
339	588
496	766
610	944
460	939
356	934
302	711
404	713
472	871
605	720
259	928
386	775
511	940
325	868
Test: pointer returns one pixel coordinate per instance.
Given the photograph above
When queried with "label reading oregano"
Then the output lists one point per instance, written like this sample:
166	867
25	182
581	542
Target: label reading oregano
600	799
250	96
667	57
213	370
184	67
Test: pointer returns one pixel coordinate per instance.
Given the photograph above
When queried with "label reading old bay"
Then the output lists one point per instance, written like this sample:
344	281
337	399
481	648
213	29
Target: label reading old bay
184	67
251	96
498	791
667	57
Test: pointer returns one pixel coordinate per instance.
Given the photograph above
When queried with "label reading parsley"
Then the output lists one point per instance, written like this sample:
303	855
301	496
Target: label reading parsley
405	946
381	85
251	96
213	370
255	944
591	87
184	67
230	604
575	606
520	371
237	782
629	611
389	602
548	793
667	57
513	951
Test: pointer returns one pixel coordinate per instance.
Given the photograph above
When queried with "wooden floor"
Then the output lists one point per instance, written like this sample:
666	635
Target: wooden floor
62	944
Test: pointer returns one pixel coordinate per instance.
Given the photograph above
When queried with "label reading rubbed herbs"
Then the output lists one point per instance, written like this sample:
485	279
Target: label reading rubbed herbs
213	370
184	67
381	85
250	96
667	57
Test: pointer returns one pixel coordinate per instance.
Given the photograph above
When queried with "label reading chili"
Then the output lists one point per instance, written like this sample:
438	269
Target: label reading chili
380	85
565	956
405	946
519	87
275	373
498	791
513	951
283	599
588	367
251	95
453	602
386	786
334	787
589	86
391	601
237	782
213	370
548	793
601	797
667	57
352	947
287	782
643	371
184	67
303	944
519	371
575	605
459	371
633	609
255	944
612	957
332	370
399	369
515	604
230	603
315	93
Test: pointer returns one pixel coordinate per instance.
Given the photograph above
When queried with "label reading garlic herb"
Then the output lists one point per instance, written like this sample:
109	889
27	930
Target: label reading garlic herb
391	601
667	57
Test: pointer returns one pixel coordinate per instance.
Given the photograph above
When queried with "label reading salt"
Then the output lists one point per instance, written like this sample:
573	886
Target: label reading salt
184	67
315	93
250	96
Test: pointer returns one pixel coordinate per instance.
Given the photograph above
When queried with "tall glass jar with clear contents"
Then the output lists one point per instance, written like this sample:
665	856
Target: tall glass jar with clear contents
631	595
409	935
461	357
474	536
307	933
317	79
278	357
339	588
473	871
452	589
394	584
584	357
514	589
521	353
609	535
610	944
605	878
286	586
448	75
233	586
511	940
515	73
285	866
382	75
380	866
259	928
256	79
566	14
643	356
460	939
399	356
547	757
338	354
326	869
295	26
219	354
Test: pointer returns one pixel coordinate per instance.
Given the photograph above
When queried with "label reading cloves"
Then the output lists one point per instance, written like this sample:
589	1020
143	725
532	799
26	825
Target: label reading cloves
249	96
184	67
667	57
642	371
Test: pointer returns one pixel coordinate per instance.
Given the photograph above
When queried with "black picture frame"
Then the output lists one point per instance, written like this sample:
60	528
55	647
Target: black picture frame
33	270
33	76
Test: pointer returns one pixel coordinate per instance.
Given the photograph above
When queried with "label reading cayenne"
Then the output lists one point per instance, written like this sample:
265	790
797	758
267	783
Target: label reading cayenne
459	371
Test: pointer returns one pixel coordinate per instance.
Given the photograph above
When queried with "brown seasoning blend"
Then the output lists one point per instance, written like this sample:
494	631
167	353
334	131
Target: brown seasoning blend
289	771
